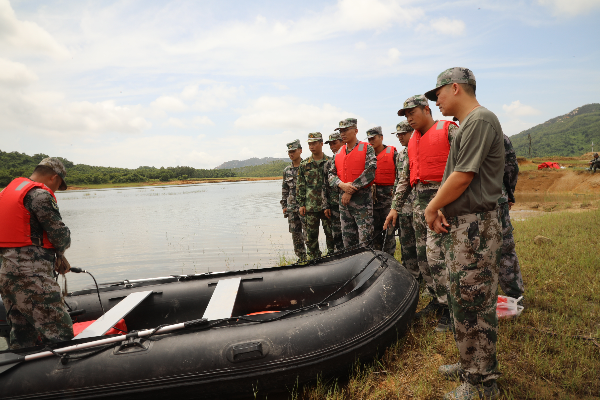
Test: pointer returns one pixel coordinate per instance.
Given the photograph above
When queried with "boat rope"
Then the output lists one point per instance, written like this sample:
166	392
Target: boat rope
79	270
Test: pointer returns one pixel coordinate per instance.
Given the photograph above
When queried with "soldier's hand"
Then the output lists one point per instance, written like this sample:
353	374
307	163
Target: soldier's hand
346	198
390	219
347	188
328	213
510	205
302	211
61	265
284	211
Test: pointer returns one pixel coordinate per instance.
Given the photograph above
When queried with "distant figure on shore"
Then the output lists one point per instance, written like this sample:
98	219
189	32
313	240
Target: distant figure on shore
288	199
595	163
33	240
333	194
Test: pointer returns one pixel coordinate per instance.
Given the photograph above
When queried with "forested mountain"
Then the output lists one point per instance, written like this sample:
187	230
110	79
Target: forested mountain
273	168
249	162
568	135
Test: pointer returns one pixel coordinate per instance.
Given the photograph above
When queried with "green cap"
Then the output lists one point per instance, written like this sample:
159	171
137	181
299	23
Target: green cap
295	145
403	127
347	123
57	166
374	131
412	102
315	137
452	75
333	137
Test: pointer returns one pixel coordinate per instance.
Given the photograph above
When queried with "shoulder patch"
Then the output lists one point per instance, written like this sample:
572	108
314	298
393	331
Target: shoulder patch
54	205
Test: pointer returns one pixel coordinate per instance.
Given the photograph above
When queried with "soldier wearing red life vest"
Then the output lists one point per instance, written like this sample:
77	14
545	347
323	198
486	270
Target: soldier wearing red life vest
33	240
353	171
428	151
385	177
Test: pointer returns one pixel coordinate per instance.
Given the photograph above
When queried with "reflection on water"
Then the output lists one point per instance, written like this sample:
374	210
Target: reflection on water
144	232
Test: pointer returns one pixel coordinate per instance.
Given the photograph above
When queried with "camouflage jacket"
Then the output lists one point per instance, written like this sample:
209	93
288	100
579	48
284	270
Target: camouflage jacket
364	179
384	194
312	190
333	192
288	188
403	187
45	217
511	170
401	159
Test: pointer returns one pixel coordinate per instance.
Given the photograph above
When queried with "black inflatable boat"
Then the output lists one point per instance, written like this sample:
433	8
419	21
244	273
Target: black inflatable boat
308	320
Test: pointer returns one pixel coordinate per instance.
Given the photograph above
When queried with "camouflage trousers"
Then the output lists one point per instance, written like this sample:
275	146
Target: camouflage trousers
312	220
296	223
336	228
472	250
510	278
379	216
32	299
357	219
408	245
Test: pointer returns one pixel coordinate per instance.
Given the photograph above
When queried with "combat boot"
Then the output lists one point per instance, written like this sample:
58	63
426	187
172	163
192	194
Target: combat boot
444	321
451	372
467	391
432	307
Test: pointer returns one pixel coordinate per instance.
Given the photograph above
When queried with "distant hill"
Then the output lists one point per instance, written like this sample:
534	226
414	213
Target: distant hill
249	162
273	168
568	135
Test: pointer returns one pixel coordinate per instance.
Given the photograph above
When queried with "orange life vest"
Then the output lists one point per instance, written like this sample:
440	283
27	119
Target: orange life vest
428	154
15	230
385	174
350	166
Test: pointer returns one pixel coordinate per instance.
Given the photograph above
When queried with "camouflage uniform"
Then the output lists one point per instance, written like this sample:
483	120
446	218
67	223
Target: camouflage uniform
408	244
472	245
595	163
32	298
312	194
428	243
288	201
333	200
510	278
357	216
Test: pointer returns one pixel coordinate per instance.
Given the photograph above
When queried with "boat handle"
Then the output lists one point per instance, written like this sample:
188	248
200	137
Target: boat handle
247	351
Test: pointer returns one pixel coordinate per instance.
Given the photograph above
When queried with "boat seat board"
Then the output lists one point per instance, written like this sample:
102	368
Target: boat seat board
114	315
223	299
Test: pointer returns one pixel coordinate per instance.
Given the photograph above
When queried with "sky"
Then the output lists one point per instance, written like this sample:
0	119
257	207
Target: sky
198	83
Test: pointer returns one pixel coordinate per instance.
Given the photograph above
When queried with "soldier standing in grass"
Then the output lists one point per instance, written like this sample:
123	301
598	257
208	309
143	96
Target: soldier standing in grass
33	240
510	278
288	199
408	245
595	163
385	177
428	150
312	196
465	212
353	171
333	195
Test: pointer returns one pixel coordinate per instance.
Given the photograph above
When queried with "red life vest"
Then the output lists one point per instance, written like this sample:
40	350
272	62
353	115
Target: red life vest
15	230
428	154
350	166
385	174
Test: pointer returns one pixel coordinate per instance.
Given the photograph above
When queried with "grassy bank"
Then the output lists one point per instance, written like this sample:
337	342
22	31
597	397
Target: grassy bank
543	354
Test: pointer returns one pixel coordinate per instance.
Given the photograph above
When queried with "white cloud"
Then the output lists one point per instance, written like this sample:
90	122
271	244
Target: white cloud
169	104
570	7
446	26
176	122
202	120
14	74
20	36
360	46
280	86
516	109
393	54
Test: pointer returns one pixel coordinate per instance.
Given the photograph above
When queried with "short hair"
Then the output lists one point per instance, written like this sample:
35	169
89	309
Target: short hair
468	88
422	107
44	171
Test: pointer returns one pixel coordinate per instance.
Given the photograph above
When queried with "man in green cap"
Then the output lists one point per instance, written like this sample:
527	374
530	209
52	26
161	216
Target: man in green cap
353	171
333	197
312	196
465	212
383	189
427	151
408	245
288	201
33	240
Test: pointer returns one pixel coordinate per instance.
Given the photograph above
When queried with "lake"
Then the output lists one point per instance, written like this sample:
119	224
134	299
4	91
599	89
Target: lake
150	231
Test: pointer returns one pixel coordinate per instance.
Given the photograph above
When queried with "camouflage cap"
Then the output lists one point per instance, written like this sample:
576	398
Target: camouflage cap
57	166
403	127
412	102
315	137
452	75
295	145
374	131
333	137
347	123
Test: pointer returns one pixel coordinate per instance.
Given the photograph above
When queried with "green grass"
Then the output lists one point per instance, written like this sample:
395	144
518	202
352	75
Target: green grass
540	355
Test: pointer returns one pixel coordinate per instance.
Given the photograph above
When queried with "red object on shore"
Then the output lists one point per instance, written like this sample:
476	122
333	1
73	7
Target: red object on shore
120	326
549	165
